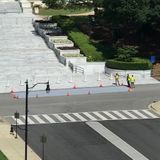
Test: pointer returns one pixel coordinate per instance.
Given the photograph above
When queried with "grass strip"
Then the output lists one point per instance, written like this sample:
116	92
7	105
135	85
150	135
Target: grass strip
2	156
56	12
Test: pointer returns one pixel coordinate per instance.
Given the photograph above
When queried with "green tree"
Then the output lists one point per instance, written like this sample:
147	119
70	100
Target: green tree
98	2
133	12
126	53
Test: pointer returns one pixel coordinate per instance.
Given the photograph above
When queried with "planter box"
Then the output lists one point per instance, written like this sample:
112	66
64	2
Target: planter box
75	60
50	38
69	51
62	42
48	26
53	46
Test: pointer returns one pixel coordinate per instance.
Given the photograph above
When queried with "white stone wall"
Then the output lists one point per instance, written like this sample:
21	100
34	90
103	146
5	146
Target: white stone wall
93	67
141	73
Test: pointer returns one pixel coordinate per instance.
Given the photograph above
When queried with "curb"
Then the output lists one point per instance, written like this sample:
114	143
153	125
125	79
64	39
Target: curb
11	147
154	106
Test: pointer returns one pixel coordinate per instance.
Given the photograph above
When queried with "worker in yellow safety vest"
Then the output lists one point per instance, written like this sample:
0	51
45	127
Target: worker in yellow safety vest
133	81
128	80
117	79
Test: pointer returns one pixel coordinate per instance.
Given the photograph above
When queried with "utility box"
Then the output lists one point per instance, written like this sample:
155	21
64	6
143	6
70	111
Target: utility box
153	59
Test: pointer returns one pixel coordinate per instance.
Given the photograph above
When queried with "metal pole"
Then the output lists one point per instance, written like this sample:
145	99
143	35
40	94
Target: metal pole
16	128
42	151
26	121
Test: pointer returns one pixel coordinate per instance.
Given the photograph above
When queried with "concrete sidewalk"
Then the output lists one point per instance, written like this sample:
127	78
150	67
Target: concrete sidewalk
13	148
155	106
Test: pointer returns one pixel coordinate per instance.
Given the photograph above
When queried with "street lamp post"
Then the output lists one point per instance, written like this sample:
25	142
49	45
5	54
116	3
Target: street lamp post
26	111
16	116
43	140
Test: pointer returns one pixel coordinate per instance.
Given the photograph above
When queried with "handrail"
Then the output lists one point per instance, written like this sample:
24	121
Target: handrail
76	68
20	4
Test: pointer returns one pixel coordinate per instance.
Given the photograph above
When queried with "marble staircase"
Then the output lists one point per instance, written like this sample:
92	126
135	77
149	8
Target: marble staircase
9	6
24	55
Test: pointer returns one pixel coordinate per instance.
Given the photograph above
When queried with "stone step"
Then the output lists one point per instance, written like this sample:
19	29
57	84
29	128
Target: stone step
10	7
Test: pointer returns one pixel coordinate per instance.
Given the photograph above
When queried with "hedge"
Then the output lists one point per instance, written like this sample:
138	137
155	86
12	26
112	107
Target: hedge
80	39
137	64
83	42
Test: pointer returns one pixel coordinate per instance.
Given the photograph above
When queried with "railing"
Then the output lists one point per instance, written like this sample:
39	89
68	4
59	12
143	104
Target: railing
76	68
20	4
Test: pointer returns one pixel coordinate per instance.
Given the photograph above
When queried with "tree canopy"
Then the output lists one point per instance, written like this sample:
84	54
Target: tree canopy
134	12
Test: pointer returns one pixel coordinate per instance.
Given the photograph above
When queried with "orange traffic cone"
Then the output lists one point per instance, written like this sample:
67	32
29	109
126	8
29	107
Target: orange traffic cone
74	87
12	91
15	97
68	94
129	89
101	85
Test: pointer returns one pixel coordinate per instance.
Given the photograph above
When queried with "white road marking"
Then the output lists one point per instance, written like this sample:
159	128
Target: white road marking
119	114
79	116
100	116
48	118
29	120
110	115
69	117
116	141
59	118
149	113
38	119
130	114
140	114
89	116
18	121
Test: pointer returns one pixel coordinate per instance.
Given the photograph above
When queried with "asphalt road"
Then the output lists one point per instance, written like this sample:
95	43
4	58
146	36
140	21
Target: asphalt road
140	98
77	141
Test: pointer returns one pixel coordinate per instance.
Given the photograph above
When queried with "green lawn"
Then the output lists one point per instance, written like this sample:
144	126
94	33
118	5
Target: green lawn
55	12
2	156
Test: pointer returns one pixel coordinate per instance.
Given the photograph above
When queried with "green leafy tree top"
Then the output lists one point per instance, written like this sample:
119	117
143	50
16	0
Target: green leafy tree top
126	53
137	12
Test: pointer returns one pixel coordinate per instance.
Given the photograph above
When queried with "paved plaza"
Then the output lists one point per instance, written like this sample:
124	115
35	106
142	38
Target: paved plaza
24	55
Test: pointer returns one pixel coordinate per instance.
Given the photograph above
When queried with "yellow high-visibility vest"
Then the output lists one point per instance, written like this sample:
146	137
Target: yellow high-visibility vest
133	79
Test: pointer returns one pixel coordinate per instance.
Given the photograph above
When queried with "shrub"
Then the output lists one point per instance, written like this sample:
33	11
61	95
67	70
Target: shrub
126	53
83	42
80	39
2	156
136	64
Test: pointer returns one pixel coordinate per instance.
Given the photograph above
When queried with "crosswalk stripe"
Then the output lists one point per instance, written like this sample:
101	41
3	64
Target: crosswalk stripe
38	119
48	118
89	116
140	114
86	116
18	120
149	113
79	116
130	114
109	115
119	114
29	120
59	118
100	116
69	117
